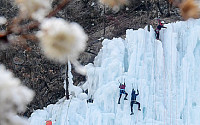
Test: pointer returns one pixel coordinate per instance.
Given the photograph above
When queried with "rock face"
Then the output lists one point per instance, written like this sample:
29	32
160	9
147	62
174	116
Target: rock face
46	77
36	72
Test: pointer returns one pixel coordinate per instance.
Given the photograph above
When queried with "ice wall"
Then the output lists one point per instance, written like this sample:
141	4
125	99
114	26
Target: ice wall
167	75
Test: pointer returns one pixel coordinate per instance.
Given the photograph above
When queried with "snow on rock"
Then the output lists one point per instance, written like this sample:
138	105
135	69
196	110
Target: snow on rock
165	72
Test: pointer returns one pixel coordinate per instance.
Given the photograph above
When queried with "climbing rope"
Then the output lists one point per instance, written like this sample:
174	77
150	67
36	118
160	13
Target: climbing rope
137	71
136	75
155	81
145	33
171	80
177	71
183	82
136	64
154	70
68	108
145	45
186	90
163	44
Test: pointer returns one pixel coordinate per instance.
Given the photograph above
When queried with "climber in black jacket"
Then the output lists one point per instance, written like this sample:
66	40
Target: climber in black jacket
133	100
157	30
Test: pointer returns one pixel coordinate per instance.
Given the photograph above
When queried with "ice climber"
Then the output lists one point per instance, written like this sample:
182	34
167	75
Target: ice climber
122	91
157	30
133	100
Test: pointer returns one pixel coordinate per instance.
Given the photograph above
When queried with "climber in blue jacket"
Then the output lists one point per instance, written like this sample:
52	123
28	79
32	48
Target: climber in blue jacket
133	100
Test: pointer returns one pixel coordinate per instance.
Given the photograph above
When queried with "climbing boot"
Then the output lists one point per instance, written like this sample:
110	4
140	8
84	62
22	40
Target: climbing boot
131	113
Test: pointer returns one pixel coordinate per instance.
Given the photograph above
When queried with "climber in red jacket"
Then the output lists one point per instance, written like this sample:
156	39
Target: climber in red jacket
122	91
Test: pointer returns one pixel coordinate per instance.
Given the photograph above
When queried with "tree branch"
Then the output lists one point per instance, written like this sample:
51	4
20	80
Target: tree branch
32	25
58	8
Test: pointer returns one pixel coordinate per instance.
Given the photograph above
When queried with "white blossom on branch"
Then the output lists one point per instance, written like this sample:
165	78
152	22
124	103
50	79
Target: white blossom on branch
62	41
37	9
13	98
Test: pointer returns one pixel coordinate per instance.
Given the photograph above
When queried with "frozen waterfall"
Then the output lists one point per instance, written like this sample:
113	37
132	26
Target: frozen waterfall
167	75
